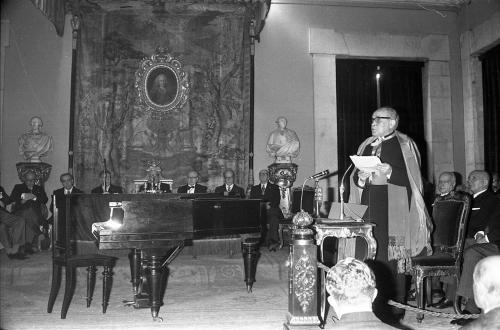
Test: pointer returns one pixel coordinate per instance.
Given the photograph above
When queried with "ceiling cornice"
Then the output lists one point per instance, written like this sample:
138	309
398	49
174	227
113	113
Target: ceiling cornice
452	5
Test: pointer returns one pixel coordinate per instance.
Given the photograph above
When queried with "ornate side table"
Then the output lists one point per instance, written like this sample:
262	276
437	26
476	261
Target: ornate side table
346	233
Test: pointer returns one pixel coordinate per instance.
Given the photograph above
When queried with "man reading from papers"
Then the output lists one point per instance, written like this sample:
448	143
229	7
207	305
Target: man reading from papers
393	193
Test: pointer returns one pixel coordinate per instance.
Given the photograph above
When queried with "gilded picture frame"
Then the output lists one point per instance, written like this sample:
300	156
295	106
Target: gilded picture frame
161	83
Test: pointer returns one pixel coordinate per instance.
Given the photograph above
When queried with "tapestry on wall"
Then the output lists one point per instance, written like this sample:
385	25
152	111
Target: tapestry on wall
209	134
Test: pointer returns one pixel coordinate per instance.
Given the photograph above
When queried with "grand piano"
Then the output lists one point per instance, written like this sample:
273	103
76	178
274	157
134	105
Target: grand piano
155	227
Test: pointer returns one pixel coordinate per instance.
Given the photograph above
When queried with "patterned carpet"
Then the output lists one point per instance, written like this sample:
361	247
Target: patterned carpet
206	292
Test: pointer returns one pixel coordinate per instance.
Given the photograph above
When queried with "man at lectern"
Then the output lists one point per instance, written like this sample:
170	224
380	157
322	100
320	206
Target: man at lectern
393	193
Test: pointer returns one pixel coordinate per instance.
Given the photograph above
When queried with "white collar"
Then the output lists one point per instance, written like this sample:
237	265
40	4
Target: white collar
479	193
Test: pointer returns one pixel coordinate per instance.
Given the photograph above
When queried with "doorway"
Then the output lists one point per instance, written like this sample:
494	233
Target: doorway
490	62
399	87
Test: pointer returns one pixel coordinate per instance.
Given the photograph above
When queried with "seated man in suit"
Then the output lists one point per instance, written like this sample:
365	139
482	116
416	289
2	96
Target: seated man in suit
68	187
270	193
351	285
229	189
446	184
192	186
30	203
13	230
482	237
487	294
106	187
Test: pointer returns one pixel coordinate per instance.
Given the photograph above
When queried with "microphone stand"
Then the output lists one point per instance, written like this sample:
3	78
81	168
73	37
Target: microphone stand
104	177
341	190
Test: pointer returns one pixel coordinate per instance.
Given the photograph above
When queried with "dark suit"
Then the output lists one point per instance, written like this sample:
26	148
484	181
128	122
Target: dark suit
273	213
236	191
198	189
59	194
485	216
13	232
61	208
112	190
34	212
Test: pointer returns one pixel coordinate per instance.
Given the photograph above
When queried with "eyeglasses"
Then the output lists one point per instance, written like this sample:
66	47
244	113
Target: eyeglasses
377	119
192	177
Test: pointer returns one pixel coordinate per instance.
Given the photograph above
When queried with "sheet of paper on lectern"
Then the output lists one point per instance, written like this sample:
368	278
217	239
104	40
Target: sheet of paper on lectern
355	211
365	163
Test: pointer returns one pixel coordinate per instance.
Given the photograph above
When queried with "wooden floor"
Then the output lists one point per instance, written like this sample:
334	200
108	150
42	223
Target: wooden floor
206	292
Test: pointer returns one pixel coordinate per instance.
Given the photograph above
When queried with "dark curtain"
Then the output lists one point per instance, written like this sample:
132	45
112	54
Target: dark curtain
400	88
491	107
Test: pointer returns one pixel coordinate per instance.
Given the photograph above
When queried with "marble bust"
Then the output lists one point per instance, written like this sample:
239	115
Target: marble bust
35	143
283	143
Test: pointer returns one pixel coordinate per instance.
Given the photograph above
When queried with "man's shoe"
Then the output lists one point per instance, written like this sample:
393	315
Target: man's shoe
443	303
17	255
461	322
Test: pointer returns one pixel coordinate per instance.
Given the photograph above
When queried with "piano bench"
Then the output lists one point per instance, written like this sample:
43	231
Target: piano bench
285	228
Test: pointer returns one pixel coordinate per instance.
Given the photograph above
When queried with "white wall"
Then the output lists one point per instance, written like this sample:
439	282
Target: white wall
37	82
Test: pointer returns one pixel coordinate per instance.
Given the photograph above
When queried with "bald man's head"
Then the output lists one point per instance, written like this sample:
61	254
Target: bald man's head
478	181
487	283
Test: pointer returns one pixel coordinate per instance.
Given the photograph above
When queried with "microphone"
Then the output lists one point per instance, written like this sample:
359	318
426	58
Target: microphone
319	175
315	176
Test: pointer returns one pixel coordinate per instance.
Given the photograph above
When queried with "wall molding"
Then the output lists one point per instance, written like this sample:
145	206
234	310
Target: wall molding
473	43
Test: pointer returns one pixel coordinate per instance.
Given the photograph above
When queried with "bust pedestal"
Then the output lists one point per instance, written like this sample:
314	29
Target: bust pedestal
41	170
284	175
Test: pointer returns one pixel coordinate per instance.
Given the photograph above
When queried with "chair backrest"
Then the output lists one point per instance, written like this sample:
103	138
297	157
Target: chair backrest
62	230
450	214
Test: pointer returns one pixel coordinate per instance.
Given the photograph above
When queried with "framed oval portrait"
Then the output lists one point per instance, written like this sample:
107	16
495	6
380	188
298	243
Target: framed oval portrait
161	86
161	83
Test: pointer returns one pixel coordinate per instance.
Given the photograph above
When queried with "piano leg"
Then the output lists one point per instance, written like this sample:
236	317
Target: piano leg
137	279
250	251
135	269
154	274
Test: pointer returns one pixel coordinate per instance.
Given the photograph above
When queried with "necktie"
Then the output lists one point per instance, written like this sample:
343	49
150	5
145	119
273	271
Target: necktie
191	190
263	188
228	188
67	192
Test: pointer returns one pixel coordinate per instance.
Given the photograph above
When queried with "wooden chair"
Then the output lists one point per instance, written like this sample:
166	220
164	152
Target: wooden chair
64	256
450	214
